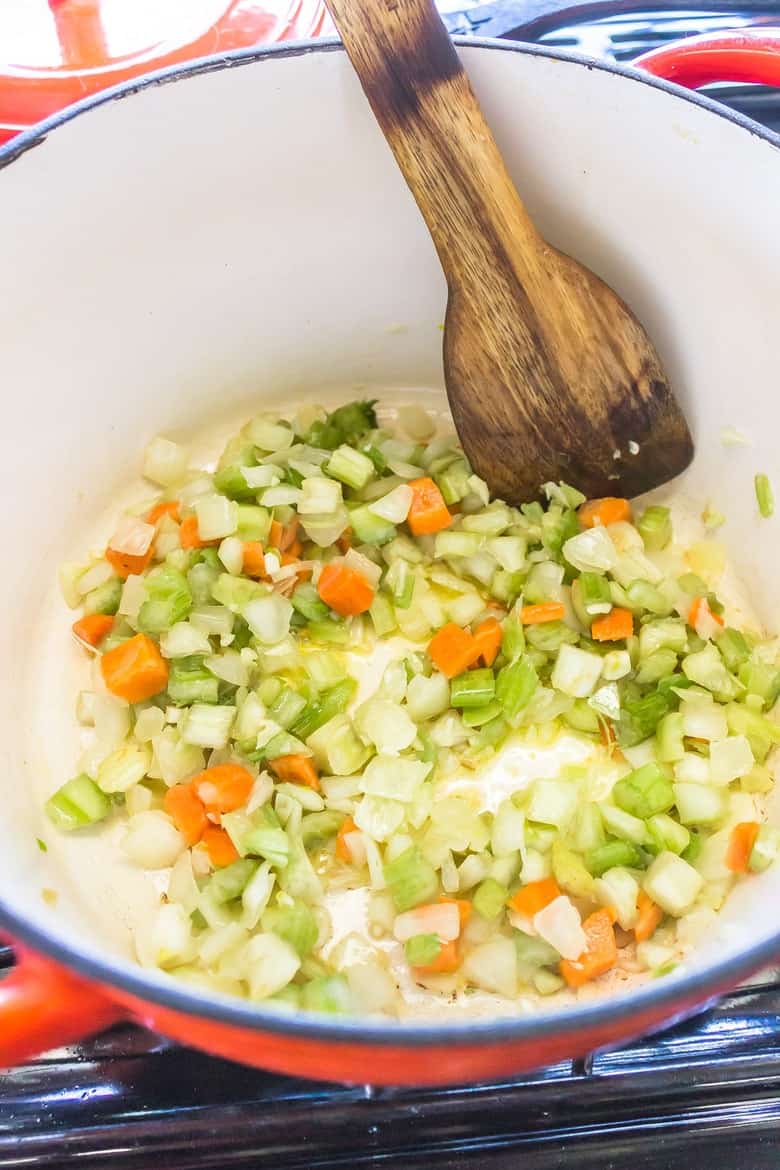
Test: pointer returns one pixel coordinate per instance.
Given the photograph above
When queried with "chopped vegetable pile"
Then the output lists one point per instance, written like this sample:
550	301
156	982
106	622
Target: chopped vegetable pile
232	620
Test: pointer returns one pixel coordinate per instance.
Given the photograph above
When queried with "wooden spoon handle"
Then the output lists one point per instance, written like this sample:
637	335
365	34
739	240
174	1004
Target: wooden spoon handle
422	99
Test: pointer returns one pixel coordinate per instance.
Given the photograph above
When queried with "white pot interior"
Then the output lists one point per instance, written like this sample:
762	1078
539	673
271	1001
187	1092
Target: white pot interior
198	250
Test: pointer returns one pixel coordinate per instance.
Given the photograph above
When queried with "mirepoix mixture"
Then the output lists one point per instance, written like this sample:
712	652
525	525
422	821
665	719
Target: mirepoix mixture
232	618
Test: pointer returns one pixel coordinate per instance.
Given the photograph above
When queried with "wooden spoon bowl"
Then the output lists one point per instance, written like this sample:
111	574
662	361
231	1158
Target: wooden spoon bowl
549	374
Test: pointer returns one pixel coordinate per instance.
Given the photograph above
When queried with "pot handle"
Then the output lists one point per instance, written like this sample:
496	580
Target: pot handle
750	57
43	1006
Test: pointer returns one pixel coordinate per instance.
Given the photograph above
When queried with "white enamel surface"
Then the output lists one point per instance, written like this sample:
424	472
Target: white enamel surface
188	254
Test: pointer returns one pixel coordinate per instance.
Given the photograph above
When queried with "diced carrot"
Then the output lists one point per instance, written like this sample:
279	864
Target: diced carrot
345	590
219	847
453	650
648	918
703	619
600	954
223	788
134	670
546	611
293	553
127	564
344	542
93	627
164	508
464	908
530	899
488	636
741	842
613	626
606	511
342	848
186	811
275	535
254	559
298	768
189	534
446	961
428	512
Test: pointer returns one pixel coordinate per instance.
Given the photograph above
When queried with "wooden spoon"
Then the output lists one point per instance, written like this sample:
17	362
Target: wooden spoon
549	374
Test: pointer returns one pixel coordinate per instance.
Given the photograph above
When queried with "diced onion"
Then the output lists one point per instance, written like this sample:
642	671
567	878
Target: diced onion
364	566
131	536
94	577
165	462
559	924
395	505
152	840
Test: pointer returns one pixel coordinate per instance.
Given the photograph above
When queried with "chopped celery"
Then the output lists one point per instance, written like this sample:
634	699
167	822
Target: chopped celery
208	725
764	496
669	738
457	544
77	804
761	733
422	949
334	633
190	682
570	871
329	703
229	481
229	883
168	600
550	636
411	880
639	718
350	466
594	594
623	824
641	595
516	686
645	791
104	598
513	638
733	648
489	898
667	833
267	838
254	522
317	828
306	601
672	883
699	804
613	853
382	615
453	482
287	707
296	924
656	666
655	527
329	994
473	688
369	528
479	716
235	592
399	580
343	425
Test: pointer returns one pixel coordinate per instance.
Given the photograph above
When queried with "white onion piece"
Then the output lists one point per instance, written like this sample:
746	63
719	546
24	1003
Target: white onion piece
133	596
132	536
441	918
165	462
94	577
152	840
364	566
405	470
164	939
395	505
559	924
416	421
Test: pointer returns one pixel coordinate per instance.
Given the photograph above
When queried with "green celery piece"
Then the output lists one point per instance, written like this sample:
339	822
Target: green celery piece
382	615
410	880
639	718
594	592
267	838
227	884
613	853
645	791
254	523
655	527
399	580
667	833
479	716
764	496
513	639
306	601
761	732
235	592
734	649
550	636
344	425
369	528
473	688
329	703
515	686
334	633
669	744
230	482
570	871
296	924
490	898
77	804
453	482
422	949
105	598
762	680
655	667
287	707
317	828
190	682
169	600
329	994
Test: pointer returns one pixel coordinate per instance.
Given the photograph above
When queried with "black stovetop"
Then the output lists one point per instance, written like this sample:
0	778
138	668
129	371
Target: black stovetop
703	1095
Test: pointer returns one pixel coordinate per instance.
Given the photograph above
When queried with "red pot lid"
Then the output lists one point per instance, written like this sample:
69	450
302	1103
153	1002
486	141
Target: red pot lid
54	52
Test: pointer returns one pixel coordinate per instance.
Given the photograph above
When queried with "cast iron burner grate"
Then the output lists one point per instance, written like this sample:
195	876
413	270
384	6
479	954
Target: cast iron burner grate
703	1090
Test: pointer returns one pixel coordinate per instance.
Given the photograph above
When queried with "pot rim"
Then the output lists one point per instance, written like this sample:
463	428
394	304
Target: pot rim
654	997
